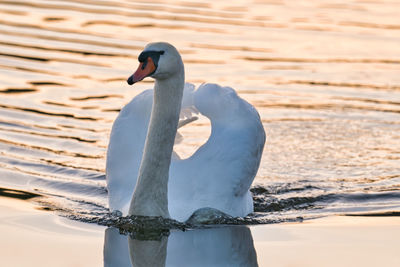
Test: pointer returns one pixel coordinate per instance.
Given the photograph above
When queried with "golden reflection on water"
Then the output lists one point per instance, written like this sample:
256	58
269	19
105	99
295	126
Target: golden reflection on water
324	77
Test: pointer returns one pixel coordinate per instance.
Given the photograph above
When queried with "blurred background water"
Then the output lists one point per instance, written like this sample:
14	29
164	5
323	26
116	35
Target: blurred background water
325	78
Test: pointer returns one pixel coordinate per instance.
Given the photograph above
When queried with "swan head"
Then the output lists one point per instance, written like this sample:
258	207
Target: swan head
159	61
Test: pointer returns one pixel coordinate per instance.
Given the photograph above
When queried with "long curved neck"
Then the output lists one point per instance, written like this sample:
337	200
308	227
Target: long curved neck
150	197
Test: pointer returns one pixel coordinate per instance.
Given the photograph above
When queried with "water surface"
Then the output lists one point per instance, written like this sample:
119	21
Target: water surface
323	76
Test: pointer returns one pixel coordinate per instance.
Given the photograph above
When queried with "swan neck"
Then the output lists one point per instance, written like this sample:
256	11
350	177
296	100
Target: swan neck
150	197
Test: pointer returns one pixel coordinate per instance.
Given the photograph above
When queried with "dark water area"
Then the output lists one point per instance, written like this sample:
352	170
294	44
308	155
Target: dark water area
325	79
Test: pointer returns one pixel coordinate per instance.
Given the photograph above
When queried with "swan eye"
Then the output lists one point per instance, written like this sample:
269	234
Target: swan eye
155	55
144	65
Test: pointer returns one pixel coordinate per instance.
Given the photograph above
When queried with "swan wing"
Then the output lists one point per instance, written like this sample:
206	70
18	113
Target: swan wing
219	174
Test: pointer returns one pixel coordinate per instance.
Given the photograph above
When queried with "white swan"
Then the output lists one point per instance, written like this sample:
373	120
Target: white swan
218	175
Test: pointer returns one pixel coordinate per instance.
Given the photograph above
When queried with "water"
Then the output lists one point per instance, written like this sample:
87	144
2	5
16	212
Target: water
323	76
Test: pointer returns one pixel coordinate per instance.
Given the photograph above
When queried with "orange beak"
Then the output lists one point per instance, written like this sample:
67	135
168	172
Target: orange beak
144	70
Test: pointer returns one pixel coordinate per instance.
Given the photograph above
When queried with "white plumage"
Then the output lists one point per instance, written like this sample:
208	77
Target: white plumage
217	175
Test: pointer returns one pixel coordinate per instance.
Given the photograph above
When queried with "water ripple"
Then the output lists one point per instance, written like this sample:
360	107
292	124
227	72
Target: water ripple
326	87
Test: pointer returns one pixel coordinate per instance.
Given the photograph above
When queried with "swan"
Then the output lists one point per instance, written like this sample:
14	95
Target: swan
146	177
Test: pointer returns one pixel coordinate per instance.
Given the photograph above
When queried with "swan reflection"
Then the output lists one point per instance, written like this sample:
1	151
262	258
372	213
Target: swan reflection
224	246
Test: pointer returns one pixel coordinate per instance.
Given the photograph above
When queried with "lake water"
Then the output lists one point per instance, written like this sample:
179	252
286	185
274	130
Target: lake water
325	78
